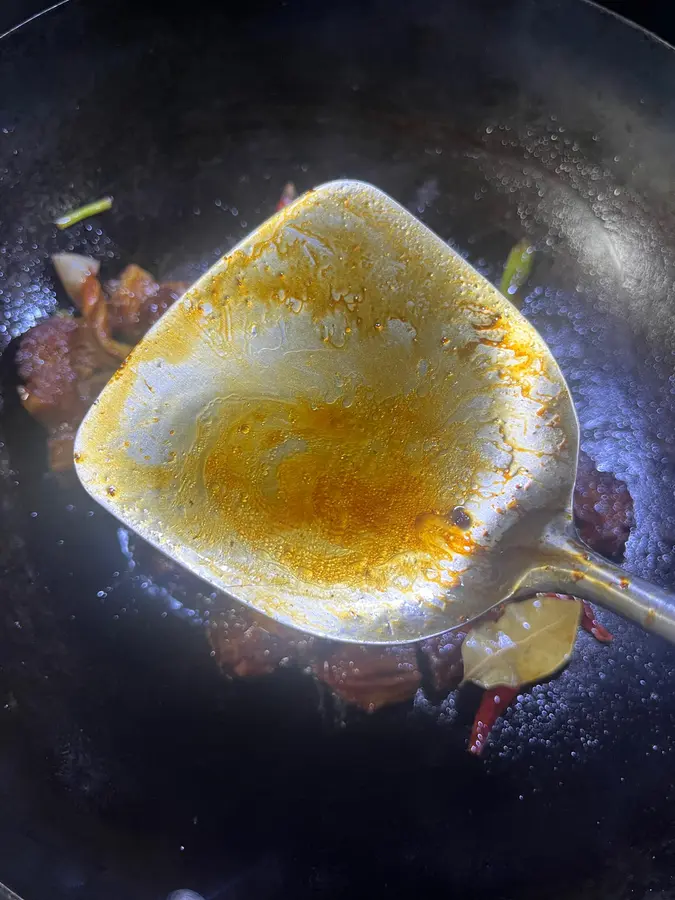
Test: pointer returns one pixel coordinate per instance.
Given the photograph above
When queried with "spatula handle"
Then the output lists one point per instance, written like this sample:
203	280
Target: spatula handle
569	567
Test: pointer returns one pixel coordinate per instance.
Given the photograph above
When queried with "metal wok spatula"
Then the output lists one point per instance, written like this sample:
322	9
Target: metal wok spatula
346	427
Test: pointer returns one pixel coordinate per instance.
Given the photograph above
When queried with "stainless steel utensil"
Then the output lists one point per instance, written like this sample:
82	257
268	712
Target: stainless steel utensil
346	427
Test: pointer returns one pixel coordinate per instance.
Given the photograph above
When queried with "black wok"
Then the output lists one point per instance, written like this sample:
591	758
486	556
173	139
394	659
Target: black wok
128	765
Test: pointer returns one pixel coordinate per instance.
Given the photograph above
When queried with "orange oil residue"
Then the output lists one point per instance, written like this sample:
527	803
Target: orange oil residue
527	356
526	365
335	493
298	265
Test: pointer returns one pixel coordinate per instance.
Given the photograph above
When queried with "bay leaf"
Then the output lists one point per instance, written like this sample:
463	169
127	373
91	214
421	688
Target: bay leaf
530	641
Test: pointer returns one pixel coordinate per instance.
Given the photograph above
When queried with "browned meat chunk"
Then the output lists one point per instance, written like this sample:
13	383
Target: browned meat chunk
370	677
137	301
65	361
603	509
246	643
54	359
63	368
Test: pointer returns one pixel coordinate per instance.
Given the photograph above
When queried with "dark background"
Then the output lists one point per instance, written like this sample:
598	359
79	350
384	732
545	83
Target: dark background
657	17
651	14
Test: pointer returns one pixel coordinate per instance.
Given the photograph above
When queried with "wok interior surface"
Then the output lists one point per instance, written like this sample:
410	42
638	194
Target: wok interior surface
126	761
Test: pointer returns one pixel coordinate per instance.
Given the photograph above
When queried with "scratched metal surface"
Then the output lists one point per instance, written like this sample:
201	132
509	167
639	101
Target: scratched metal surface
126	763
